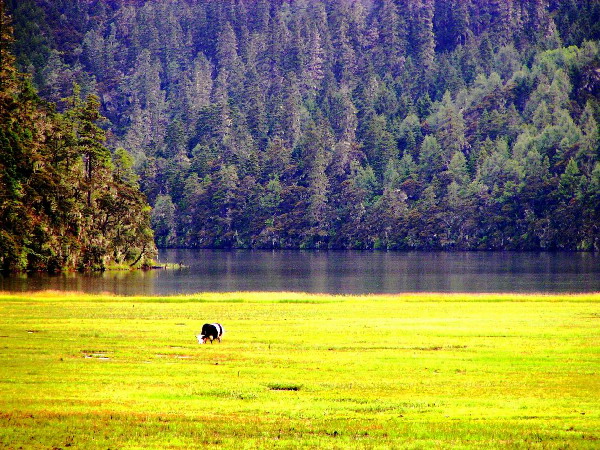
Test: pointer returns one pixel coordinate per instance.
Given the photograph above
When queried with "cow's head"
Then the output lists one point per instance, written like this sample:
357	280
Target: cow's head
201	339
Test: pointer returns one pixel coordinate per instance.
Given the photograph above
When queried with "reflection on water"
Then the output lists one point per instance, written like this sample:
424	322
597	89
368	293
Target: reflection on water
337	272
121	282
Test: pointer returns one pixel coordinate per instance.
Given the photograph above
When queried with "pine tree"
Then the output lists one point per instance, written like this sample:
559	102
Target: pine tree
569	183
314	71
452	24
589	148
432	157
229	63
346	64
392	33
378	143
163	221
64	205
457	168
255	106
422	36
90	139
406	91
450	129
315	155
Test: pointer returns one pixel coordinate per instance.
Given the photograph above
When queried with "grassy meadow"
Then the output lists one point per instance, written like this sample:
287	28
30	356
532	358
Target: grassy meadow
298	370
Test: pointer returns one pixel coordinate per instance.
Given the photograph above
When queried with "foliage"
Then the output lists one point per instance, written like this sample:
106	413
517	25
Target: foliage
66	202
413	124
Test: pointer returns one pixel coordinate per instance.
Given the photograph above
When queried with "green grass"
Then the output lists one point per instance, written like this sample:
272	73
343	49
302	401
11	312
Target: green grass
300	370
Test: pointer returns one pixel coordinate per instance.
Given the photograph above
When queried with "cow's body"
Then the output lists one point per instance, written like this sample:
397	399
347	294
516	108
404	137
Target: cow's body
210	332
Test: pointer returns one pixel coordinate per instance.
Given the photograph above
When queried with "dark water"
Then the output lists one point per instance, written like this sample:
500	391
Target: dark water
337	272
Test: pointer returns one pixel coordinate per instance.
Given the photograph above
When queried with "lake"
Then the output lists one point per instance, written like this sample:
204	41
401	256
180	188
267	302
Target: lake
336	272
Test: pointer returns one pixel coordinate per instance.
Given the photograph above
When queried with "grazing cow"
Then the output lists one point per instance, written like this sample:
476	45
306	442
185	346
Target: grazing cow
210	332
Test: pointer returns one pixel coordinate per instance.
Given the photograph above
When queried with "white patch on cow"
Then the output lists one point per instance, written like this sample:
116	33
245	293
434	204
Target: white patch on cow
200	339
219	328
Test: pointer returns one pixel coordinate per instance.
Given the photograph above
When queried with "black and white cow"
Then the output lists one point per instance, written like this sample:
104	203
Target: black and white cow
210	332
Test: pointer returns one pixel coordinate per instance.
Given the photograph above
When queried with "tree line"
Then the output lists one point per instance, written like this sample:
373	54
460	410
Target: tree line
351	124
66	201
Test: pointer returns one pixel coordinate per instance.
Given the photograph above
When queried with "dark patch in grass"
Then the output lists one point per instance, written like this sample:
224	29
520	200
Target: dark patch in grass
284	387
94	352
362	349
359	401
589	437
187	300
438	348
309	302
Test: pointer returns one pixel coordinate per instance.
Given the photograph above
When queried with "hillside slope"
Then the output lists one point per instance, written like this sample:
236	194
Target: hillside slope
396	124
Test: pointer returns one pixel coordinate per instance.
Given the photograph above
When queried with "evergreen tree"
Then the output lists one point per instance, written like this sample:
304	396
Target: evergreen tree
63	203
422	36
392	33
340	123
589	147
230	64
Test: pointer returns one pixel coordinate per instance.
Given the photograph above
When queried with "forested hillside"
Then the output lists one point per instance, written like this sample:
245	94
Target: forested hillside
392	124
66	201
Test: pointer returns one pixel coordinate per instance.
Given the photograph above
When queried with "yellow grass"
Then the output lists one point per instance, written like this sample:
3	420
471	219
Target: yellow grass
300	370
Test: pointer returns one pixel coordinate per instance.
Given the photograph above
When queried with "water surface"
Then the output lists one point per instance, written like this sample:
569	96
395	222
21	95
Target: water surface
336	272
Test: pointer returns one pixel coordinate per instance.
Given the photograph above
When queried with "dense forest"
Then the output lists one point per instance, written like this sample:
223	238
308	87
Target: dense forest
66	201
350	124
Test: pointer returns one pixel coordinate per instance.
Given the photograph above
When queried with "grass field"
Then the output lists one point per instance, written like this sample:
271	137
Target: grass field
300	371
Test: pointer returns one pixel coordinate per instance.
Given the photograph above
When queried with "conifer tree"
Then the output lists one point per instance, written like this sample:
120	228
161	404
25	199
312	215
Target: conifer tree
326	112
423	38
63	204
